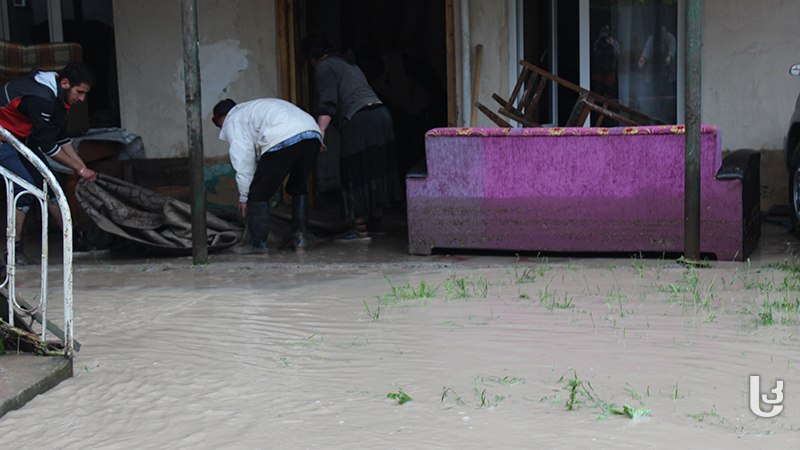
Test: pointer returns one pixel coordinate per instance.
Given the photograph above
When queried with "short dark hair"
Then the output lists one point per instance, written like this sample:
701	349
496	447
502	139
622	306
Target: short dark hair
77	73
221	109
315	45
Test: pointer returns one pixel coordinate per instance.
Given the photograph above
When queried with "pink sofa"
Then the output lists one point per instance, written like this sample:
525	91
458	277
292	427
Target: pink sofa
578	190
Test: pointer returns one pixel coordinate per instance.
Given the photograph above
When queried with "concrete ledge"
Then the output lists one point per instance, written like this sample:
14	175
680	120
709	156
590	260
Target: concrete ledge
24	376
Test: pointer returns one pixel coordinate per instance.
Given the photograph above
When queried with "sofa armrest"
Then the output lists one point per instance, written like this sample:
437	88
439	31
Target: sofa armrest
738	164
420	170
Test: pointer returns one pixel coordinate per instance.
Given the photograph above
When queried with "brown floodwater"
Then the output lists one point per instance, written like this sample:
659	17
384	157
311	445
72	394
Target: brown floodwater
304	358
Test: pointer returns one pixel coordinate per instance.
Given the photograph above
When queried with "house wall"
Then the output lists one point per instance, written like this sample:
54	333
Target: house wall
747	90
489	28
238	58
747	50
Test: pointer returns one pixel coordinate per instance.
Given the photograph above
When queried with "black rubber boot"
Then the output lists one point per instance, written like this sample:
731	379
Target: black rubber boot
19	255
300	223
258	219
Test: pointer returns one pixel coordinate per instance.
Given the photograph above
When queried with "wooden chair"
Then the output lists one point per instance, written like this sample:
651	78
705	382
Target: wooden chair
534	81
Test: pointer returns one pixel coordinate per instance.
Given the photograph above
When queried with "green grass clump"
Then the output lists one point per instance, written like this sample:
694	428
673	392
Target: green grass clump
409	292
463	288
581	393
400	396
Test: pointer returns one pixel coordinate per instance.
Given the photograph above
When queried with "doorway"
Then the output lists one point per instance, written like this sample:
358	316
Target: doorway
407	39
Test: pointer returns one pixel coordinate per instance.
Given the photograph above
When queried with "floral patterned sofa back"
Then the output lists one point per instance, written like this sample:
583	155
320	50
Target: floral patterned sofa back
16	61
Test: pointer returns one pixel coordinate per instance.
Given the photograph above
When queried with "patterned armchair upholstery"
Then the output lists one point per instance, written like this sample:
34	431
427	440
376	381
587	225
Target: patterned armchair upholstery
16	61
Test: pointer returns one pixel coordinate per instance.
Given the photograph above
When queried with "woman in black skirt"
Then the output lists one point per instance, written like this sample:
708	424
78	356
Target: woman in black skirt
368	167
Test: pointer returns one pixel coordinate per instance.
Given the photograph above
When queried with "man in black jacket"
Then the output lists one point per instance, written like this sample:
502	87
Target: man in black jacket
34	110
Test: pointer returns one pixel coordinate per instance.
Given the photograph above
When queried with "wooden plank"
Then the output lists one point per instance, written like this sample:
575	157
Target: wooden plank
495	118
51	327
542	82
524	104
500	100
518	86
282	17
452	118
611	114
580	90
521	119
476	84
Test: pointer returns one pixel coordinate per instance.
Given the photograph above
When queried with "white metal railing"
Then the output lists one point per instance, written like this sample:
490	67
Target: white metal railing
9	282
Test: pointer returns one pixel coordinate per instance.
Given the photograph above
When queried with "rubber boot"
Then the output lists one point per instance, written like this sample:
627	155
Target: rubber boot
19	255
300	223
258	219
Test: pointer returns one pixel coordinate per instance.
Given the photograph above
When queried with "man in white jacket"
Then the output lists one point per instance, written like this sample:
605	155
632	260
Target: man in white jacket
269	139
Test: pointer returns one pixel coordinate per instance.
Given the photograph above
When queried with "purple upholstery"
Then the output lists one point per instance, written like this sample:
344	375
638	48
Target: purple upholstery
569	190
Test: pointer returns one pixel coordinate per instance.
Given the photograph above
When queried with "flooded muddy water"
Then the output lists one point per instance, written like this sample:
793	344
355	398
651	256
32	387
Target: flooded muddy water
304	358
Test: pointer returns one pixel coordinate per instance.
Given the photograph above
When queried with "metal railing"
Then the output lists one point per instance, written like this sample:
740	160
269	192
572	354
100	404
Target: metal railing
39	311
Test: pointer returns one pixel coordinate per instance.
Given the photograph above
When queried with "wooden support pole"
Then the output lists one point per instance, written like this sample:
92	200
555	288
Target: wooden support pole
194	126
476	86
694	58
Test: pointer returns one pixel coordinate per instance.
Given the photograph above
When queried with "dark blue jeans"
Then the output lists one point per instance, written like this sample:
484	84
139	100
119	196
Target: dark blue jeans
20	166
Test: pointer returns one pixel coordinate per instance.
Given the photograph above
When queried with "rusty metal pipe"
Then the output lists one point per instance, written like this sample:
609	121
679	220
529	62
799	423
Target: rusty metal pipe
694	54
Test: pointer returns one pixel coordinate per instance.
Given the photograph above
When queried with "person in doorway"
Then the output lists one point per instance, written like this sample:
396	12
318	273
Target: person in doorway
666	64
605	56
412	92
34	109
270	139
658	59
368	164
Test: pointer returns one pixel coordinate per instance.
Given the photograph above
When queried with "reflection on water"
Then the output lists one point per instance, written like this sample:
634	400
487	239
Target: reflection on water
306	360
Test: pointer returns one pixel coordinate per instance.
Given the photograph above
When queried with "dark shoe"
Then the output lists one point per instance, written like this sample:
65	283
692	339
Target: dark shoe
352	237
19	255
300	223
251	249
79	244
299	242
375	227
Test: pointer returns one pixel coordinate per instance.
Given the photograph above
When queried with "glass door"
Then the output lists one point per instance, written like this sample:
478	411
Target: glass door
634	54
625	50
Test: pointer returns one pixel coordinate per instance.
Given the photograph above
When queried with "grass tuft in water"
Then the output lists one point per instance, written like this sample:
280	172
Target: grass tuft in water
409	292
400	396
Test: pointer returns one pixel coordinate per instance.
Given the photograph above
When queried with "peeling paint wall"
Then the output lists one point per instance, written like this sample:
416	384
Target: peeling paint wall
238	59
747	91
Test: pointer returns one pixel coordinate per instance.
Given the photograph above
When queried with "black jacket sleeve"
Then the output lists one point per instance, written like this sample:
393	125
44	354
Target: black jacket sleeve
48	135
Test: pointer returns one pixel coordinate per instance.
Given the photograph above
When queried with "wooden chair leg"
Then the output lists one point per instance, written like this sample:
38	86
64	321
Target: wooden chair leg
494	117
577	112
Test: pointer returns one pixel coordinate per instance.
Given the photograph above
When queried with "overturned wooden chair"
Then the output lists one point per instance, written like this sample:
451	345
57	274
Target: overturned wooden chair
522	108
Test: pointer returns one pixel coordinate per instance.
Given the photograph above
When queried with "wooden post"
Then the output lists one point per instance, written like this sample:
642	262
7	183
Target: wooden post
194	126
476	86
694	58
452	115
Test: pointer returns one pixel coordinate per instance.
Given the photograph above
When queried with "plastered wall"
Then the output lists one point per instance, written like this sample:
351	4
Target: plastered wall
489	27
748	48
238	58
